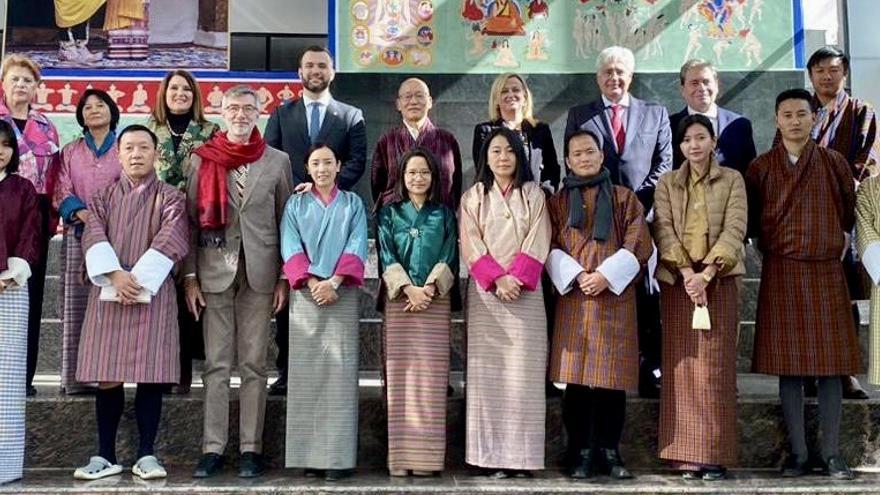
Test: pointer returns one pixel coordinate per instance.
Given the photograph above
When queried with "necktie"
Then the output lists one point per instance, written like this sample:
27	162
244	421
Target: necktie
240	176
315	122
617	127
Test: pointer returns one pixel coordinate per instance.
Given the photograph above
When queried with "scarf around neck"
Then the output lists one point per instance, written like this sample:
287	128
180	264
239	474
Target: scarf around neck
220	155
602	215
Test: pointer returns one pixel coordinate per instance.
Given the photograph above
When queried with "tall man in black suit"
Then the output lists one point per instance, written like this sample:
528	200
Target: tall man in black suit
637	143
699	88
315	118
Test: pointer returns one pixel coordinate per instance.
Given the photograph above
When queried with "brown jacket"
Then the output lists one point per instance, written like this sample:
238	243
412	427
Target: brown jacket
728	216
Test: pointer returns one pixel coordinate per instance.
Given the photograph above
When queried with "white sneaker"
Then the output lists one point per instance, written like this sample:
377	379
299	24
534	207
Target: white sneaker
97	468
148	468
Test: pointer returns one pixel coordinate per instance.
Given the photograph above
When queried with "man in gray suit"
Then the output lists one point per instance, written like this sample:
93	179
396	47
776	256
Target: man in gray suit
637	142
293	127
236	193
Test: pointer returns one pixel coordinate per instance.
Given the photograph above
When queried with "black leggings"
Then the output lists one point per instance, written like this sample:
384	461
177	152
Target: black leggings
109	405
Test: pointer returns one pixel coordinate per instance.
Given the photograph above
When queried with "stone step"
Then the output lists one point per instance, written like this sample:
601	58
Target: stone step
454	482
61	429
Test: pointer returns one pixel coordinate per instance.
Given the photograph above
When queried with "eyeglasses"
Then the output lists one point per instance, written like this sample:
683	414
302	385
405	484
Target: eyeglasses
27	81
418	173
247	109
413	96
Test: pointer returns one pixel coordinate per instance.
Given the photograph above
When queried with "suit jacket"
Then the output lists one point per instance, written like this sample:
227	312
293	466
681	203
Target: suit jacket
736	146
253	226
540	148
343	129
647	151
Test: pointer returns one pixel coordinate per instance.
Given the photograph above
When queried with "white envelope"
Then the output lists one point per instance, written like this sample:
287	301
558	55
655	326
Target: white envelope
108	294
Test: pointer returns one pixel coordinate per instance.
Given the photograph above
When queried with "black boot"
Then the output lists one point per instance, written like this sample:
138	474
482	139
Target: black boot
614	464
582	467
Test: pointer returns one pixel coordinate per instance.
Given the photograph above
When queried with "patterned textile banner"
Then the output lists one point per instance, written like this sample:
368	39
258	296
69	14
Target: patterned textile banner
58	95
562	36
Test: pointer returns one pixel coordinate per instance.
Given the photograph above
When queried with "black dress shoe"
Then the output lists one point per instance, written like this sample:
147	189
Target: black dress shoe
582	467
279	387
838	469
498	474
251	465
794	468
614	464
337	474
313	473
209	465
852	389
30	391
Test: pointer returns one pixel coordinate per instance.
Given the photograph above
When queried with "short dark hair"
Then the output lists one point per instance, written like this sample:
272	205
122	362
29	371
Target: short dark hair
7	136
315	49
690	120
103	96
825	53
138	128
794	94
435	193
523	172
579	133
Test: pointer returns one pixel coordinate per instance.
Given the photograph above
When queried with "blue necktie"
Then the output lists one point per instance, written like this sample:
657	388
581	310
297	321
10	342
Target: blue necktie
315	122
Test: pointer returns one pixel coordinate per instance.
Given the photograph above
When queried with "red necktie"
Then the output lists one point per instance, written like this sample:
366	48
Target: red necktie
617	127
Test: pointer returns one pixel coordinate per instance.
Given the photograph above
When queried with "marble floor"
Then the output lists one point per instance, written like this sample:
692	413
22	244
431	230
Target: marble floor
46	481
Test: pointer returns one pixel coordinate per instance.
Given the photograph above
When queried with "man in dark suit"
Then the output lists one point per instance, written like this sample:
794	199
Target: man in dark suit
699	88
315	118
637	143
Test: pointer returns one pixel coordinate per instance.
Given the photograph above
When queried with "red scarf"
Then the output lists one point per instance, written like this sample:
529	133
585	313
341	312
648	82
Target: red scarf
219	156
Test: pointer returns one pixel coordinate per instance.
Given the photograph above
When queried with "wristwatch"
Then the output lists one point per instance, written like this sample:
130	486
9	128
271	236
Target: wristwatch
333	283
706	277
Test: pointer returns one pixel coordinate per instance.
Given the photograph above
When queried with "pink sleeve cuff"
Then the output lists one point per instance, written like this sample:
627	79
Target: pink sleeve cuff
527	270
352	268
297	270
485	271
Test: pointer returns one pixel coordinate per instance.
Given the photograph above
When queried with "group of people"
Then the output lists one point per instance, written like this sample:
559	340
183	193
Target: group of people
176	224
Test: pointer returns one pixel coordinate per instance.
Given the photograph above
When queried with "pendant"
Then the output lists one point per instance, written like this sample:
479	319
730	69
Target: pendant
414	232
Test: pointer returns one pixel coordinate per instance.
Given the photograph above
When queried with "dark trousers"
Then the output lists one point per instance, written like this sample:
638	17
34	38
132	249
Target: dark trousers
593	418
650	333
36	287
192	345
282	328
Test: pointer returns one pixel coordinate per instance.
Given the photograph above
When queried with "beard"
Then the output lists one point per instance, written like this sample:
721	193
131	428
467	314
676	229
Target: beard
316	87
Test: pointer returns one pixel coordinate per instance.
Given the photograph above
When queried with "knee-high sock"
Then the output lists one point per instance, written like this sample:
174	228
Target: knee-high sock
791	393
609	413
108	409
830	397
148	409
577	418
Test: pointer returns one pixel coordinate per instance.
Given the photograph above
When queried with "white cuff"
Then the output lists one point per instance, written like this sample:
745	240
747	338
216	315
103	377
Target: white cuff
871	260
100	260
17	269
563	270
619	269
151	270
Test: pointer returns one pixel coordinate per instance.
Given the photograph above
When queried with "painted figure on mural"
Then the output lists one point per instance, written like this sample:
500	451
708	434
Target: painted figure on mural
538	9
505	19
537	42
139	100
471	11
42	102
505	56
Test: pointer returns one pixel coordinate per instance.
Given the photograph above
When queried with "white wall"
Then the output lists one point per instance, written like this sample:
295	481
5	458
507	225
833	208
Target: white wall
864	49
278	16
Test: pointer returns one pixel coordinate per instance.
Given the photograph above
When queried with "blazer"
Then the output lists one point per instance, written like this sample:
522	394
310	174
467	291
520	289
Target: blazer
727	209
343	129
736	145
647	152
540	150
253	227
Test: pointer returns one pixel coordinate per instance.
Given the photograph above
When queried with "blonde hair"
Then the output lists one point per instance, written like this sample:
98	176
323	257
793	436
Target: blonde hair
160	109
495	97
18	60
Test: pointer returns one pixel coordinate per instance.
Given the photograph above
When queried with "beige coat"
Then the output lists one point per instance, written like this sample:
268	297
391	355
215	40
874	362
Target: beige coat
253	226
727	212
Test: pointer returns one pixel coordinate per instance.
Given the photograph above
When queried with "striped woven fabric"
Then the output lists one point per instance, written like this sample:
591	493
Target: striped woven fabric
507	365
417	369
322	398
73	306
698	397
13	367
